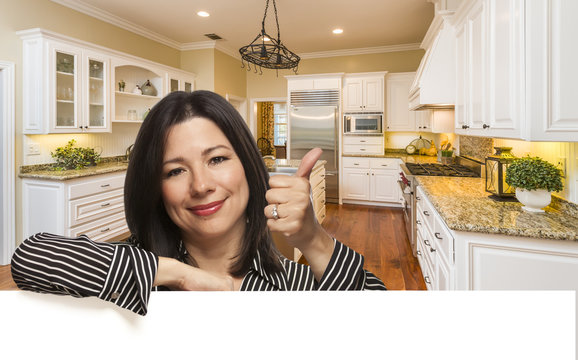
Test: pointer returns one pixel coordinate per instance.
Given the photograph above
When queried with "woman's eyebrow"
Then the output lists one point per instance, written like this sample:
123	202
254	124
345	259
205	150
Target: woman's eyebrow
213	148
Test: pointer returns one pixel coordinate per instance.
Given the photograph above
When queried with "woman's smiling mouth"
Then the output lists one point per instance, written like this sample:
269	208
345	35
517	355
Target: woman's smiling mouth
207	209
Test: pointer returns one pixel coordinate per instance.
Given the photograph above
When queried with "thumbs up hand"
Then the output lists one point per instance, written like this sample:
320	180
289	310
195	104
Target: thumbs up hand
290	210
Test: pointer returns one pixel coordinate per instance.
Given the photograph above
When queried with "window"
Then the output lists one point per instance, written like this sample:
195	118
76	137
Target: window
280	131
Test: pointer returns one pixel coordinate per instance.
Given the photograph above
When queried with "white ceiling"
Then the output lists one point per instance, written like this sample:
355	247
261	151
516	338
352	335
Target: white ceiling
306	25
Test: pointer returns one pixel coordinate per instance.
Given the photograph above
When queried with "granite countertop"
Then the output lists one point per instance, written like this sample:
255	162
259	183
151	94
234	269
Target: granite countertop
45	171
464	205
401	154
282	165
119	163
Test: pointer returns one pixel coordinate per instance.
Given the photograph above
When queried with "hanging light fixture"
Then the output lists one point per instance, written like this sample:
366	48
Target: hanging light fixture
273	55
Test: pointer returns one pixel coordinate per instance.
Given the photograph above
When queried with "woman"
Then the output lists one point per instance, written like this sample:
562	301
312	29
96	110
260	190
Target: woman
200	207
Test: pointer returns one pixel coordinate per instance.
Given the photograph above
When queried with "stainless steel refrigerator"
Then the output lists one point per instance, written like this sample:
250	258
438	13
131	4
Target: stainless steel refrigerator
317	126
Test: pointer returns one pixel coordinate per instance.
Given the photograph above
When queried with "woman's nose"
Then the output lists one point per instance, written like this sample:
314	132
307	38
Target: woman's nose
202	181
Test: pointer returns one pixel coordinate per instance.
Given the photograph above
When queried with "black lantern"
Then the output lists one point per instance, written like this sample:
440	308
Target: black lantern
496	166
273	55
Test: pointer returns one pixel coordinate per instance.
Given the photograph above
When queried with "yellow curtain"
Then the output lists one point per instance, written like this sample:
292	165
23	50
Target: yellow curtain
267	122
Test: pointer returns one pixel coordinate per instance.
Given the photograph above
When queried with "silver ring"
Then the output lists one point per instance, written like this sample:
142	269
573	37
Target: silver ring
274	212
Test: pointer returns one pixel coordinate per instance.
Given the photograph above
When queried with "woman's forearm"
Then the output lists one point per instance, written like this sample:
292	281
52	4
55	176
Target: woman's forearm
179	276
318	252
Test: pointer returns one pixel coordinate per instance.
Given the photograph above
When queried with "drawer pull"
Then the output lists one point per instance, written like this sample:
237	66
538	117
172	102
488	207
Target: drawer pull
432	250
355	163
427	242
323	176
362	149
383	164
438	236
418	222
418	253
323	188
323	201
105	230
417	198
105	204
104	185
361	140
425	213
427	280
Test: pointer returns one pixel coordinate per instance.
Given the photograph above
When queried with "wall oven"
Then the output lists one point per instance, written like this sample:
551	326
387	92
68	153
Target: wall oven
363	123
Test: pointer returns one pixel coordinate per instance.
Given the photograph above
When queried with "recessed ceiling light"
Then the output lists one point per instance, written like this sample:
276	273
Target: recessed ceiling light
338	31
203	14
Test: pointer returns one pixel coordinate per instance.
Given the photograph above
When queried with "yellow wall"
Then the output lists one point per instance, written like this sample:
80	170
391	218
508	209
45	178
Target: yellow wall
202	63
270	85
230	78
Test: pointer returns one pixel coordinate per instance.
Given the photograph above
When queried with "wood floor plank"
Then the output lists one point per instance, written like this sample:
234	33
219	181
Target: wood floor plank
378	233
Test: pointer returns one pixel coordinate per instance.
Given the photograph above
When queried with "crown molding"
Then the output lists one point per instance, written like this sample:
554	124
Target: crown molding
105	16
360	51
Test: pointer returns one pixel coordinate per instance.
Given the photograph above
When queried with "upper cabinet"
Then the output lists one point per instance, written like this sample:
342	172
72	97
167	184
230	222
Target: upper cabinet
516	71
363	92
72	86
66	87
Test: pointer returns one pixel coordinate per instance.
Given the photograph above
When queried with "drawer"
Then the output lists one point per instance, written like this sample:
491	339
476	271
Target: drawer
384	164
94	207
320	215
350	162
428	212
317	177
444	239
102	229
363	149
363	140
319	201
96	185
424	264
320	188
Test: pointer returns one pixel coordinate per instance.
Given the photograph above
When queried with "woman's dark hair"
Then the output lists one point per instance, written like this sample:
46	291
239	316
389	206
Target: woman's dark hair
150	225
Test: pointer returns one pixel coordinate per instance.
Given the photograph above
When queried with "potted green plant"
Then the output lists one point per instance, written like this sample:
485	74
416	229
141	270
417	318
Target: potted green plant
70	158
535	180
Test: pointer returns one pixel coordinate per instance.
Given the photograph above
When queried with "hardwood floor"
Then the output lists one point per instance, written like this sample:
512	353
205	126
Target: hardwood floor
378	234
375	232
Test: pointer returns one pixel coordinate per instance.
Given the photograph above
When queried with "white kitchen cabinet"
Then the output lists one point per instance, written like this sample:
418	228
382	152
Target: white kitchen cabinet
66	86
398	115
314	82
478	261
363	145
363	92
515	76
371	181
179	81
92	205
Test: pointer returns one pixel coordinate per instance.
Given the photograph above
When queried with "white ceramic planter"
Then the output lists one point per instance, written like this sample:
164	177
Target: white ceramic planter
534	200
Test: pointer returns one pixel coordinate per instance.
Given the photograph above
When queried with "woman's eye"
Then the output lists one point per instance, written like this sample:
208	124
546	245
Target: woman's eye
217	160
175	172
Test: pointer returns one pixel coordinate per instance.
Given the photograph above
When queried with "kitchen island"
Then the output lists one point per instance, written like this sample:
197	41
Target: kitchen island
468	241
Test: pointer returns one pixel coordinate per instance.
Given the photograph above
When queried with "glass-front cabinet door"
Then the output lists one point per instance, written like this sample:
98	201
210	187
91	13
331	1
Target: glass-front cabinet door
96	83
180	82
66	90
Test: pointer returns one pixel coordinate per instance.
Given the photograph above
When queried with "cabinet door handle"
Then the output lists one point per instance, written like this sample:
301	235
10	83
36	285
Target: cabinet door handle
105	204
105	230
362	149
465	126
367	174
361	140
438	236
355	163
417	198
427	242
383	164
425	213
418	222
418	253
485	126
427	280
104	185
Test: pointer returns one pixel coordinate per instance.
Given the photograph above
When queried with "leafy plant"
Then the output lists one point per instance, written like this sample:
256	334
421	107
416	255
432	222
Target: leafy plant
532	173
71	158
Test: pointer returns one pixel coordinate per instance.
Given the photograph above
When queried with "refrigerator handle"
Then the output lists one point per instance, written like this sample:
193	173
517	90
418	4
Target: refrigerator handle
336	137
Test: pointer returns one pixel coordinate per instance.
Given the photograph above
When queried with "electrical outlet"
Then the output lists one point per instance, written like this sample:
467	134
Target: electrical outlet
33	149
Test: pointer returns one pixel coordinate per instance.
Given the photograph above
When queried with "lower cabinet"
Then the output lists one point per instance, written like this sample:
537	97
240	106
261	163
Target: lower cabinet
371	180
459	260
92	205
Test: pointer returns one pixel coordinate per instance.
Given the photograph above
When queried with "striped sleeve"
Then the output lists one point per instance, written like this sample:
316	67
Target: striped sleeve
345	272
121	274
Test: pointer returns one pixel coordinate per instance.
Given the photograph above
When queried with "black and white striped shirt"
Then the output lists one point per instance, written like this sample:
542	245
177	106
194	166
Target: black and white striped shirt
123	273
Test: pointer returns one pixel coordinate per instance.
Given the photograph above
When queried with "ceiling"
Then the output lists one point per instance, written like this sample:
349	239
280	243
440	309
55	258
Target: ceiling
306	25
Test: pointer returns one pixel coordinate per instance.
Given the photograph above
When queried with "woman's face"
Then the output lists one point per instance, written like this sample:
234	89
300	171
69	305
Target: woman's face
204	188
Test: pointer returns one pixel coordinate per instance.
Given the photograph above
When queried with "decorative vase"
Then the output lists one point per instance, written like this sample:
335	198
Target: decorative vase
534	200
148	89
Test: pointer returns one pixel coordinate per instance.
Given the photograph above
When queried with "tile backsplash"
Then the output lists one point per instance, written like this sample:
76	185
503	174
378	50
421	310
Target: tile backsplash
476	147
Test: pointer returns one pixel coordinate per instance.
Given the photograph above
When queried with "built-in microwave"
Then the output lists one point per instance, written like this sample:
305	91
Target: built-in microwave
365	123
